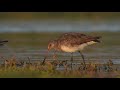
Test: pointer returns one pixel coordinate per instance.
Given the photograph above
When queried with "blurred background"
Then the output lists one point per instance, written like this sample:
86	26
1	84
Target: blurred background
28	33
59	21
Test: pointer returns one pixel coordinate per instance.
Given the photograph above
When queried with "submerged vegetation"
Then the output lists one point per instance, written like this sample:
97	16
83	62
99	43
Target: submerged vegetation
13	68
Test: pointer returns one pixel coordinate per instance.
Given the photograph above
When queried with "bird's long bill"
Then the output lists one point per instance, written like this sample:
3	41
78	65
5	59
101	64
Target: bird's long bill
47	53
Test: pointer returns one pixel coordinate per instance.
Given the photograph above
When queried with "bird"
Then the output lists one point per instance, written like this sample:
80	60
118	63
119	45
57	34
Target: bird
2	42
72	42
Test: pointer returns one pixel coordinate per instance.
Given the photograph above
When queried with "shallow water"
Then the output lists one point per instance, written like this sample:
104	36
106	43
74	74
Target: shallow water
38	54
110	48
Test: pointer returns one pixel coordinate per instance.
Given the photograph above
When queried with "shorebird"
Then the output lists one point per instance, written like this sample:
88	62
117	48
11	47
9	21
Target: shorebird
2	42
73	42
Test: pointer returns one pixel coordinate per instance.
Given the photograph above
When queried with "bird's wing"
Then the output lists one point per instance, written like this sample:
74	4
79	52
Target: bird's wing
75	39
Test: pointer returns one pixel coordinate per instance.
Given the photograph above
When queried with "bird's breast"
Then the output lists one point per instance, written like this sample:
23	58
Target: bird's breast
75	48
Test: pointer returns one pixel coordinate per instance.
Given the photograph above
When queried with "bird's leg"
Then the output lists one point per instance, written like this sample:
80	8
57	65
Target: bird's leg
44	60
71	60
83	59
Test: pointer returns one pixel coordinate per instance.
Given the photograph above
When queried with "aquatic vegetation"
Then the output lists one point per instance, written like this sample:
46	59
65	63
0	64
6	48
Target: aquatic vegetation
30	67
16	68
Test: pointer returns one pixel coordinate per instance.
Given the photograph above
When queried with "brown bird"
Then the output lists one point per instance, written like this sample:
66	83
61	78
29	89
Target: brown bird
73	42
2	42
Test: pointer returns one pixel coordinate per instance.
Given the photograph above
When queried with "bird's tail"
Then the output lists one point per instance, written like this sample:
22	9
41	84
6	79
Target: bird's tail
2	42
96	39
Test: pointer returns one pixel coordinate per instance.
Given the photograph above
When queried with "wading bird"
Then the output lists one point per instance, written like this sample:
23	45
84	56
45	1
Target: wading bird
73	42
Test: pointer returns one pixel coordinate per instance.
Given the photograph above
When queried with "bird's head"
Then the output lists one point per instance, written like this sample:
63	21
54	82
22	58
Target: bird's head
51	45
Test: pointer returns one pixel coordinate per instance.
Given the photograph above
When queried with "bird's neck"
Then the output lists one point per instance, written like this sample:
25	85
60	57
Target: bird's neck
57	46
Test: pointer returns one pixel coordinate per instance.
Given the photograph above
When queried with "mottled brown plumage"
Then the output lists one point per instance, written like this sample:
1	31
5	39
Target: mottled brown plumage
71	39
73	42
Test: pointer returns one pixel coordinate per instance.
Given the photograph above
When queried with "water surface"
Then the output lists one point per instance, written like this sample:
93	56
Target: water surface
59	26
34	45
